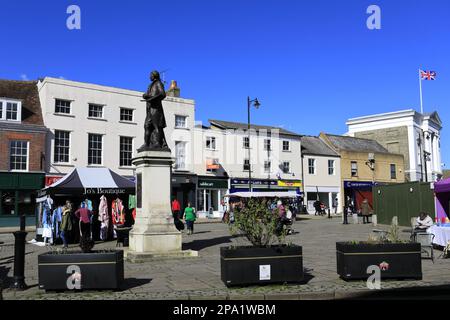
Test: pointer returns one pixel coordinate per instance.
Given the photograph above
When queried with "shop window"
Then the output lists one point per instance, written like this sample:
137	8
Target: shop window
126	114
62	106
312	166
126	151
18	155
95	149
8	203
26	203
393	171
95	111
354	168
62	146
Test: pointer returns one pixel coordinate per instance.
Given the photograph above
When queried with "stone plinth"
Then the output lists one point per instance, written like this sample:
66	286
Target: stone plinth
154	233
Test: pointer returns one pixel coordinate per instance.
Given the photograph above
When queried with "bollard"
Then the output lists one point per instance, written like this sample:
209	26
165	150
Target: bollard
329	213
345	215
19	257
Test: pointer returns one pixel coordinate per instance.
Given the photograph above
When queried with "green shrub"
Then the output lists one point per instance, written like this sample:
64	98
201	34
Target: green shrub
258	224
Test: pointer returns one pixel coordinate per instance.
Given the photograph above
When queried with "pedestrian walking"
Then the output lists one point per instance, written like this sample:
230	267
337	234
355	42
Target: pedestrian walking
84	214
190	217
66	224
176	209
365	210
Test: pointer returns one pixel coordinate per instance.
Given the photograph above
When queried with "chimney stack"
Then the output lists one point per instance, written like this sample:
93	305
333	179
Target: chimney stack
173	91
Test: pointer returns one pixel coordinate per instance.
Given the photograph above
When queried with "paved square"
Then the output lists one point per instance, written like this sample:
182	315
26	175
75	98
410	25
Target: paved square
199	278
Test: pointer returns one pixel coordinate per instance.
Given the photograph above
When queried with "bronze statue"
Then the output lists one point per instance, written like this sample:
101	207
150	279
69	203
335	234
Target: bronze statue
155	122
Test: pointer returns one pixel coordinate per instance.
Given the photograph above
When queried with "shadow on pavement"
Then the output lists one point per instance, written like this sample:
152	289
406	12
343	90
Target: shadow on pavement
130	283
198	245
307	275
441	292
200	232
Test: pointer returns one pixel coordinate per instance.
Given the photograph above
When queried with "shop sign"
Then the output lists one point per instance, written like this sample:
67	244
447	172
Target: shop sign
290	183
104	191
254	182
212	184
357	184
49	180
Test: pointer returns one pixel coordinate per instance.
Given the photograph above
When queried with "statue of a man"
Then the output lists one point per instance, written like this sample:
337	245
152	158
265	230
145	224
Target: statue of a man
155	122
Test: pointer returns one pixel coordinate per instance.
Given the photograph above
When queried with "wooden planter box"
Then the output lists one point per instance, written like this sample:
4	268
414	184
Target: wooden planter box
255	266
396	260
99	270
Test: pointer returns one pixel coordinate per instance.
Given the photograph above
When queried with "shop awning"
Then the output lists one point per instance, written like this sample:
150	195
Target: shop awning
442	186
269	194
83	181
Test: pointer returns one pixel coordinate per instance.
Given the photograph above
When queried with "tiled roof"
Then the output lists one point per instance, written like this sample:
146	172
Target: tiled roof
356	144
315	146
244	126
27	92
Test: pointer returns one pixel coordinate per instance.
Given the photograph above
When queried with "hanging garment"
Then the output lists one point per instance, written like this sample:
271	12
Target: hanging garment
47	223
134	214
118	212
89	205
103	217
56	221
131	201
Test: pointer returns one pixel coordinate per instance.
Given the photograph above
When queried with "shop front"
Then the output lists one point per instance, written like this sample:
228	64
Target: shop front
18	196
241	185
329	196
183	188
357	191
210	196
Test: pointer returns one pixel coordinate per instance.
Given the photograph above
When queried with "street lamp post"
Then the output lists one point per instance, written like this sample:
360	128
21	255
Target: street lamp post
256	104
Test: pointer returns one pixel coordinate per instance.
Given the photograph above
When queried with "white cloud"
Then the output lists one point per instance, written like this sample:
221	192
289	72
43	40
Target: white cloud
62	78
24	77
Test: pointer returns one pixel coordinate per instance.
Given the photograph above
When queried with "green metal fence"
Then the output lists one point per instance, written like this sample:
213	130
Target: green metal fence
404	200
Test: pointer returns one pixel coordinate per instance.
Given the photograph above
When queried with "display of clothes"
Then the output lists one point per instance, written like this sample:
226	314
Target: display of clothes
118	212
132	205
47	232
103	217
87	204
56	222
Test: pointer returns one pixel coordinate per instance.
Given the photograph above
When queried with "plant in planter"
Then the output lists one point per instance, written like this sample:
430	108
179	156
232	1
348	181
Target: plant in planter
75	270
269	259
396	259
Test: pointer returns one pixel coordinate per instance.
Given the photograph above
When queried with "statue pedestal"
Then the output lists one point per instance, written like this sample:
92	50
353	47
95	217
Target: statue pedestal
154	234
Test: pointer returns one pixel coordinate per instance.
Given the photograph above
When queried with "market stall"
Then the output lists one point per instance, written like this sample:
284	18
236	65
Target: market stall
442	192
109	196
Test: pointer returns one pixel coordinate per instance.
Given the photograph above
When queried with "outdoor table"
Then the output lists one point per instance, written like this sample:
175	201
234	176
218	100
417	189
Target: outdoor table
441	233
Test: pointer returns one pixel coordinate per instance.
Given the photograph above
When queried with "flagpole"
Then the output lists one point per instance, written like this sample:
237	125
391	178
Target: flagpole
421	97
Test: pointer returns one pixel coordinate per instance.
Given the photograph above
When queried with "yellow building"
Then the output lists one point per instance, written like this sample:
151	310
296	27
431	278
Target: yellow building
364	163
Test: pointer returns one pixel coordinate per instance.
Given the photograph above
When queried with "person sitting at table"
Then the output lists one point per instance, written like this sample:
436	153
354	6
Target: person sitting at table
423	222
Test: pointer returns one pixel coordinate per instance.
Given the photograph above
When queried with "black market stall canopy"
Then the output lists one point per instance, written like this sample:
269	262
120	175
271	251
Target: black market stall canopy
90	181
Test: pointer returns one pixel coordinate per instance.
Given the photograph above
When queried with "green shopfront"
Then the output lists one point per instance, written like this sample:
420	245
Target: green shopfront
18	196
210	196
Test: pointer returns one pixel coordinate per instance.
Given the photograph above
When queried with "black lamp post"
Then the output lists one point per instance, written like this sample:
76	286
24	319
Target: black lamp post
19	257
256	104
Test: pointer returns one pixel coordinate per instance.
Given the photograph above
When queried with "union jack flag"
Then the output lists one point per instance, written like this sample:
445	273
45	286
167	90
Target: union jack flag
427	75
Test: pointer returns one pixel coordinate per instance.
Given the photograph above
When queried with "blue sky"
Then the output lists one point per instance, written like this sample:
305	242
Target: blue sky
312	63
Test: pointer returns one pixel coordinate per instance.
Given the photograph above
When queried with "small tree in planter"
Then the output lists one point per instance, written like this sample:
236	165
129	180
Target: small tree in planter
268	259
397	259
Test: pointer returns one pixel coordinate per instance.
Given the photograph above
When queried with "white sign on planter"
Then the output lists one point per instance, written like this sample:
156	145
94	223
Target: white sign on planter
264	272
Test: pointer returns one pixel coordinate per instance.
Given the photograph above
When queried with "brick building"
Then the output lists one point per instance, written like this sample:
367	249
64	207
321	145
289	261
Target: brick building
22	150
